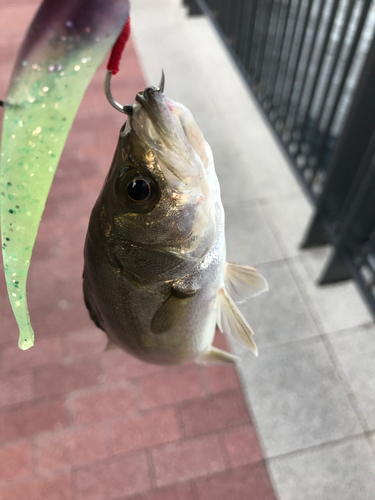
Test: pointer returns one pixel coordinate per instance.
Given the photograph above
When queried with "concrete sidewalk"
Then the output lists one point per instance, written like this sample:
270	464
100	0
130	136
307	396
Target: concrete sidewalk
312	390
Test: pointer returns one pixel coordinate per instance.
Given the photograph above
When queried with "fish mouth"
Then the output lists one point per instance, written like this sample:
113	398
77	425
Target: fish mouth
152	101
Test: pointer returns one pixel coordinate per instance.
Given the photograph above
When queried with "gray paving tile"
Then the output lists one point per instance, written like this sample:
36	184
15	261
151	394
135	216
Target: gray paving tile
371	439
296	397
254	141
227	87
289	219
356	354
343	471
314	261
339	305
279	315
249	240
271	175
235	178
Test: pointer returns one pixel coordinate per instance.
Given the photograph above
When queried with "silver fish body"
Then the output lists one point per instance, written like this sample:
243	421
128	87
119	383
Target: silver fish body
155	276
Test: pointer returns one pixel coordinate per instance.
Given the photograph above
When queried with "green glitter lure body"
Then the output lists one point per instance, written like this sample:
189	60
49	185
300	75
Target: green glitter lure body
63	48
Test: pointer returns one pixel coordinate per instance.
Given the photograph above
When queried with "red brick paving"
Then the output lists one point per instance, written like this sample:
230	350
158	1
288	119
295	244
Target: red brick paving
174	385
103	403
242	445
244	483
215	412
144	431
118	476
29	419
179	492
15	460
187	459
77	423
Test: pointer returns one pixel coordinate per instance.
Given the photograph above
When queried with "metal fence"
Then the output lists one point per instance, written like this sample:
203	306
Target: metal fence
311	66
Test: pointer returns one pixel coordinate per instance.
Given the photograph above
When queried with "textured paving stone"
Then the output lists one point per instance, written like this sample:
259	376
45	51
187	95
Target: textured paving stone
60	379
176	462
171	386
15	461
70	447
215	412
297	398
250	483
97	404
242	445
356	354
279	315
341	471
179	492
144	431
114	478
57	487
32	418
48	351
15	388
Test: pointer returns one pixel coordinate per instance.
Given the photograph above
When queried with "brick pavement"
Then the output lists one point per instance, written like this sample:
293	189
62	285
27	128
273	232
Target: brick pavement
77	423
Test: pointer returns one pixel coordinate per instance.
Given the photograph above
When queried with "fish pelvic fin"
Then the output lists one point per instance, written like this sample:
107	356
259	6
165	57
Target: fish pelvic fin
214	356
243	282
110	346
231	321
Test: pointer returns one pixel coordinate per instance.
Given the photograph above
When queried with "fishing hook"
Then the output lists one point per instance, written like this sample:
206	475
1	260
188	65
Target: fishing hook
127	109
162	82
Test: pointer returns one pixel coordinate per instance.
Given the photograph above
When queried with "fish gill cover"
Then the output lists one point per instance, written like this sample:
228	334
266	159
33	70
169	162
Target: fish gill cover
63	48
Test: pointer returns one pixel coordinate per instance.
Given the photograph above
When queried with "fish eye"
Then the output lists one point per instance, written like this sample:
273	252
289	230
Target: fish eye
138	189
136	193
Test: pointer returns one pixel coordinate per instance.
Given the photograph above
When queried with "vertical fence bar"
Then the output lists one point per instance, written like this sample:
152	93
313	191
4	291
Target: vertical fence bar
328	80
323	51
246	48
308	62
349	149
265	25
288	58
323	140
271	83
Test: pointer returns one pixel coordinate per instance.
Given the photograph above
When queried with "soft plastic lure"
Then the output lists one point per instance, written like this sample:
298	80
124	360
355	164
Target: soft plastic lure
64	46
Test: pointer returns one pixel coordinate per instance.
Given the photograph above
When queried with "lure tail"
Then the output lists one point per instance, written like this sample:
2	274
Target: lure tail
65	44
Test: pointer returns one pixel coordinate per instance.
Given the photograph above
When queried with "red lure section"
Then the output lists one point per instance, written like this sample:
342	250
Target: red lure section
114	61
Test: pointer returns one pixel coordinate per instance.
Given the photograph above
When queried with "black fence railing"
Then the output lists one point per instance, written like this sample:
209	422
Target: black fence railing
311	66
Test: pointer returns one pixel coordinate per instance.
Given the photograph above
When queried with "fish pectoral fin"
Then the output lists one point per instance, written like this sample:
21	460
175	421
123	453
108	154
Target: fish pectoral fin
172	312
231	321
243	282
214	356
92	309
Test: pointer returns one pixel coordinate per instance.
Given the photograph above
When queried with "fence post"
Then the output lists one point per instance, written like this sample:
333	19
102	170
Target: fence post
193	6
345	165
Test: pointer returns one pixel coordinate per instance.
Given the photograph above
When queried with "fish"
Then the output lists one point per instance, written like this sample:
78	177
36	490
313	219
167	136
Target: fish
155	277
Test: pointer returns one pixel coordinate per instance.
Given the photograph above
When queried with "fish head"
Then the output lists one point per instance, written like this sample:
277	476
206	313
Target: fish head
160	191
